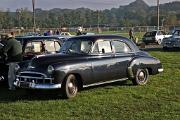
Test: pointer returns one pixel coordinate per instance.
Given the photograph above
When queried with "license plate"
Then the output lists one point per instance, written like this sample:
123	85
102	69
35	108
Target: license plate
149	38
24	84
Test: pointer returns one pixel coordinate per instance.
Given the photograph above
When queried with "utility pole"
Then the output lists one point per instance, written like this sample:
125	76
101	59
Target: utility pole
98	20
157	14
34	21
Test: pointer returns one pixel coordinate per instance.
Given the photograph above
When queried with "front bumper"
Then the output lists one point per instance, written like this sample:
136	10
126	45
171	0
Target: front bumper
35	80
160	70
32	85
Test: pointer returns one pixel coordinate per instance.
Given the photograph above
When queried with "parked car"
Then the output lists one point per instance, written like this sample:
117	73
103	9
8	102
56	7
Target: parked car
32	46
154	37
65	34
173	41
86	61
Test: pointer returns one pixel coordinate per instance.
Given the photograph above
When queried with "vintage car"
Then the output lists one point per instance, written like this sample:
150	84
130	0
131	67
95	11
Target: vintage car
173	41
32	46
154	37
86	61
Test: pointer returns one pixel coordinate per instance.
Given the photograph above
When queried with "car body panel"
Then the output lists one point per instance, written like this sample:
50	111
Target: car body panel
90	68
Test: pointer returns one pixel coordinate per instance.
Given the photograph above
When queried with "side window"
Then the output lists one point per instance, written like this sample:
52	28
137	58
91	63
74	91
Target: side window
33	47
159	33
51	46
102	47
86	46
163	33
120	47
177	33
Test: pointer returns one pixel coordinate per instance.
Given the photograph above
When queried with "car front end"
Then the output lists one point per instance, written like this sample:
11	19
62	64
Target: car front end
172	42
35	80
38	75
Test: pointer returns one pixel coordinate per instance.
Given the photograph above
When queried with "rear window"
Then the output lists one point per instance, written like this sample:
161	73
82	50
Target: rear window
150	34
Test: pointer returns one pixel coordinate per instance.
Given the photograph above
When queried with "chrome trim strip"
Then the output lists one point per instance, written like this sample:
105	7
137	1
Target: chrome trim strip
160	70
100	83
30	77
33	73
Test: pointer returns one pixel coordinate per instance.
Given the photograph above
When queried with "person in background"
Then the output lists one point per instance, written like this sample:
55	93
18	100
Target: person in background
13	51
79	31
131	34
57	32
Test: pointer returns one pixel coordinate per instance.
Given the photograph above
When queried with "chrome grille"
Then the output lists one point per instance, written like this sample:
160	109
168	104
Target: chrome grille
34	77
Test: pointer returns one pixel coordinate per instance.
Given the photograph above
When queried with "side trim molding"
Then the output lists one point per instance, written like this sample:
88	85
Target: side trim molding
100	83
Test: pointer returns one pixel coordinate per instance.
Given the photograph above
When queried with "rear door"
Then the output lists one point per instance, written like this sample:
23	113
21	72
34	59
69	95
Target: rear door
123	55
103	64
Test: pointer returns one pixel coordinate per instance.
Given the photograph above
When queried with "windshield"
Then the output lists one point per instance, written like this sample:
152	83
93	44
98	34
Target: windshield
77	46
177	33
150	34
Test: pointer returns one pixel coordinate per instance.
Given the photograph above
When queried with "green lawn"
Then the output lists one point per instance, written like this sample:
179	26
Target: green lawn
158	100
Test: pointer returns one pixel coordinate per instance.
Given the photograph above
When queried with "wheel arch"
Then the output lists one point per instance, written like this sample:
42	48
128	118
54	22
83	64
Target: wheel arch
140	63
78	78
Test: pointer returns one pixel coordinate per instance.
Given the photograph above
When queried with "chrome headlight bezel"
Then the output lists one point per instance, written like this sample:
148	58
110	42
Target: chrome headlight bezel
17	68
50	69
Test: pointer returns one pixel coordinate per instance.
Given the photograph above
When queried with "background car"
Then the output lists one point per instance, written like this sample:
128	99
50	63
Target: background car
86	61
31	47
66	34
173	41
154	37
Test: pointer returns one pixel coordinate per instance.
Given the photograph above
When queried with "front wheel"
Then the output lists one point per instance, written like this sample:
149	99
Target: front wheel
141	77
70	87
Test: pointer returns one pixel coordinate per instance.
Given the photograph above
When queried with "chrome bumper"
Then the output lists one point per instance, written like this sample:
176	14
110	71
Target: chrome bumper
160	70
31	85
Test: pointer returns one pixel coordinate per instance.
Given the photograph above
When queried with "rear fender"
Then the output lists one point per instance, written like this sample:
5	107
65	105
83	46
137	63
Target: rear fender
149	63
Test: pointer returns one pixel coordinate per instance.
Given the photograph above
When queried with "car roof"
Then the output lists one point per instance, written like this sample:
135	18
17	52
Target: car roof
100	36
36	37
110	37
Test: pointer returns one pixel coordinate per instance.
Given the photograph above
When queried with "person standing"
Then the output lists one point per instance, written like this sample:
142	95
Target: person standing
79	31
131	36
13	51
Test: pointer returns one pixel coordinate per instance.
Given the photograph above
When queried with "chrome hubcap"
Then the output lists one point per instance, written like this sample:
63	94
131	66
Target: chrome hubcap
141	76
72	87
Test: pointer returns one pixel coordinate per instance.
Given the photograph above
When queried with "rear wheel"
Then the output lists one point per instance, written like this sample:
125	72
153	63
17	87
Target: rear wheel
159	42
70	86
141	77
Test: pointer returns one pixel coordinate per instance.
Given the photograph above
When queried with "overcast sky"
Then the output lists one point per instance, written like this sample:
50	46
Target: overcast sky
92	4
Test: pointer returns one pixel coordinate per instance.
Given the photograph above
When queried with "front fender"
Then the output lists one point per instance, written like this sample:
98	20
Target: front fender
83	69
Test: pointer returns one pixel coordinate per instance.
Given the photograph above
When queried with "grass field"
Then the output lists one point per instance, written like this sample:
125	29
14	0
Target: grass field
158	100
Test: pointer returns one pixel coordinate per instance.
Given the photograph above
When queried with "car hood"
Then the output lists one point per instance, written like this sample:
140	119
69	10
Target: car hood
45	60
171	39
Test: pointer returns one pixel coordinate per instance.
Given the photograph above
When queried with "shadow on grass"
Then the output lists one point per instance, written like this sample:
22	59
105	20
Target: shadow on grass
110	85
7	96
161	49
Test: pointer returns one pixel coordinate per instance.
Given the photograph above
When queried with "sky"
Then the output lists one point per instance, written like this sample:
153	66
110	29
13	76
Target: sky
71	4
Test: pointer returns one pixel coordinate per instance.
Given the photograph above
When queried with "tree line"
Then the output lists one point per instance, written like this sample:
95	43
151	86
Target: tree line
137	13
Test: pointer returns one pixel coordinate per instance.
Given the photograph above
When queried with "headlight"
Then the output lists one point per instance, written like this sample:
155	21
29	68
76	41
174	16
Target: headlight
50	69
17	67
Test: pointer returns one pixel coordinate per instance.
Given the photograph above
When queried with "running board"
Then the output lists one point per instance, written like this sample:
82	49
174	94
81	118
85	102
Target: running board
101	83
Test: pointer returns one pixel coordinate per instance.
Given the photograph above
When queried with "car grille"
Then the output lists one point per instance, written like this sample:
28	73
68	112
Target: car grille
34	77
